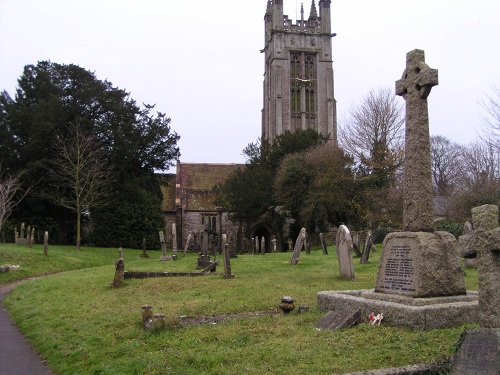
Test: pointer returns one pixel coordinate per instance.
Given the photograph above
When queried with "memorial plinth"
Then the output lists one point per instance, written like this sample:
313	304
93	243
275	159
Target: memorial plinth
420	265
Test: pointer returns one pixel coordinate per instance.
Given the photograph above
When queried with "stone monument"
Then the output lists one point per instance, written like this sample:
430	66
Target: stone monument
420	282
418	262
299	244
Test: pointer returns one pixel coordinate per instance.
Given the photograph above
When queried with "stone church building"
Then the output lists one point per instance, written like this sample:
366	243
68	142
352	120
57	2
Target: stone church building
298	94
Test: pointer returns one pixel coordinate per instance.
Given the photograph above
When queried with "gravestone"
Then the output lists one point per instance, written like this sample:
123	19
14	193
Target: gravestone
174	242
227	258
119	270
323	243
144	254
290	244
263	245
417	262
28	236
187	244
299	244
469	262
164	256
46	244
203	258
356	242
366	248
344	253
339	319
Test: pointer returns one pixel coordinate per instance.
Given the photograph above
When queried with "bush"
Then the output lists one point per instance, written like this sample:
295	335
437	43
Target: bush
380	232
449	226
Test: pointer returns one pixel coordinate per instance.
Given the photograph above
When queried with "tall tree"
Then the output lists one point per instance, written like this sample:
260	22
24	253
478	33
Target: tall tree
444	165
373	135
49	97
491	117
80	176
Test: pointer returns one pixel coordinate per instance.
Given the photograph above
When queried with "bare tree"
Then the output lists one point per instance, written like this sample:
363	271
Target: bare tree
80	176
11	194
491	118
374	134
445	167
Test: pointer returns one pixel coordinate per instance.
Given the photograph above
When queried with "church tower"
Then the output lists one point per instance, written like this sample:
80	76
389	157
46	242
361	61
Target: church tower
298	78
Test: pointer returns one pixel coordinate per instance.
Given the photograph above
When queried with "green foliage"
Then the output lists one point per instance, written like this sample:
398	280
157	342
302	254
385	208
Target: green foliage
52	96
379	233
449	226
82	326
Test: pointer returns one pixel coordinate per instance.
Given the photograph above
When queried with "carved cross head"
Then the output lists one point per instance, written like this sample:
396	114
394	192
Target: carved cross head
486	234
418	79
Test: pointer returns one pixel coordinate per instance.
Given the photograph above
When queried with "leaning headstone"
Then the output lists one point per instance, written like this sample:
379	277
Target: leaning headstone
366	248
164	256
339	319
356	244
119	270
299	244
323	243
469	262
417	262
187	244
46	244
344	251
174	242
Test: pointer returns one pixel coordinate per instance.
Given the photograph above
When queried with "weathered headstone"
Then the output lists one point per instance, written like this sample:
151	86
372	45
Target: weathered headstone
469	262
263	245
356	242
417	262
299	244
144	254
28	236
227	258
203	257
255	245
32	238
339	319
478	353
366	248
484	243
119	270
344	251
273	245
323	243
415	86
174	242
46	244
164	256
187	244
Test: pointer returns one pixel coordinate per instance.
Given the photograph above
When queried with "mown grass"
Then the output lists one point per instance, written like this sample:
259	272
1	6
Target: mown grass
82	326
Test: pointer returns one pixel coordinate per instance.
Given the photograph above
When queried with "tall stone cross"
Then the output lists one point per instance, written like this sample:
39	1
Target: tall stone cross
484	242
415	86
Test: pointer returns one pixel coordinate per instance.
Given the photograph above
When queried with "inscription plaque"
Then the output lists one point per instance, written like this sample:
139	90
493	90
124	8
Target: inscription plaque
399	270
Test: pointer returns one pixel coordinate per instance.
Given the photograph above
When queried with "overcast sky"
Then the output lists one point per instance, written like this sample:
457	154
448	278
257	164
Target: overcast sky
199	60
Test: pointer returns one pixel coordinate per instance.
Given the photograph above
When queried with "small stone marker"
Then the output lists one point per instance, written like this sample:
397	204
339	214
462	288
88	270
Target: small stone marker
299	244
174	242
339	319
344	251
323	243
484	242
119	270
415	86
165	256
46	244
144	254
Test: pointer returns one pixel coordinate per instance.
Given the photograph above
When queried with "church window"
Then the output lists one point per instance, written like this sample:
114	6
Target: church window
209	220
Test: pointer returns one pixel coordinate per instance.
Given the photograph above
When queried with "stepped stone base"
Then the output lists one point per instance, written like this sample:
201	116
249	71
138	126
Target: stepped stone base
405	311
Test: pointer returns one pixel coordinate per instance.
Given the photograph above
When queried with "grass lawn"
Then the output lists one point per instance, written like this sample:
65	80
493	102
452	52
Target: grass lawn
82	326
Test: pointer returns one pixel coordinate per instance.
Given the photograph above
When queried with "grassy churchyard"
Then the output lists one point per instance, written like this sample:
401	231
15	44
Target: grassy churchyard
81	325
